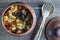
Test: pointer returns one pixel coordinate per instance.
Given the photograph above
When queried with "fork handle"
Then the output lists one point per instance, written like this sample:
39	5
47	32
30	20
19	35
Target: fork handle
38	36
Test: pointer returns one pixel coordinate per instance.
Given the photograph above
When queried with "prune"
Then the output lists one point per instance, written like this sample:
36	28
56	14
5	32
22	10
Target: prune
21	16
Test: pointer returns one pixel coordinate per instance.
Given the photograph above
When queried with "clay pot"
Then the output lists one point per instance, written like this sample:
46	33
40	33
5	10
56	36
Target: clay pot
53	29
32	13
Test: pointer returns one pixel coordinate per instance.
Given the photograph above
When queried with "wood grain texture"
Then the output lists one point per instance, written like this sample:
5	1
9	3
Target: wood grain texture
35	4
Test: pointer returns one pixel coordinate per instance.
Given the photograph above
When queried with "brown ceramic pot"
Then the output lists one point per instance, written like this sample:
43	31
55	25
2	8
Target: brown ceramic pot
53	29
32	13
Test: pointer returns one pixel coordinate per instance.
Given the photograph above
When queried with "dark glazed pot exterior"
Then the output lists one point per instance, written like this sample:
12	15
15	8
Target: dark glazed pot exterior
32	13
53	29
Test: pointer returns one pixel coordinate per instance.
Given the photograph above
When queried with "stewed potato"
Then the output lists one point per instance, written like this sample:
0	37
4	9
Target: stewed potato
17	19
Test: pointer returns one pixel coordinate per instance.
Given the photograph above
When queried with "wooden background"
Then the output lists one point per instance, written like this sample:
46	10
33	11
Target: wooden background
36	4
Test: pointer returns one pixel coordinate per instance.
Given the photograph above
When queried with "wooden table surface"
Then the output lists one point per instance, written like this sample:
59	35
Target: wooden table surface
36	4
